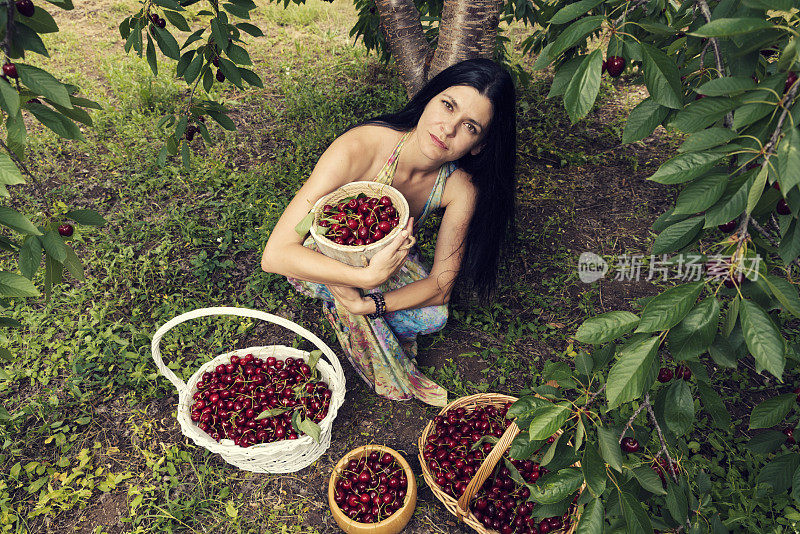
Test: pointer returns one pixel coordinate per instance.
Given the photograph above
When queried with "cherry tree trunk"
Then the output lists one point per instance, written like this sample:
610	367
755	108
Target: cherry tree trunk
468	29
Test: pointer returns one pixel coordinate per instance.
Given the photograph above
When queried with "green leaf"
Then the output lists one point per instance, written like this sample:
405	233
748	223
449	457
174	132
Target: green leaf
63	4
251	77
14	285
272	412
778	473
732	203
563	76
714	406
308	426
150	54
756	190
676	502
766	442
239	55
708	138
722	353
87	217
9	98
701	194
192	71
313	358
643	120
678	235
222	119
609	447
703	113
668	308
40	22
789	247
304	226
606	326
9	173
649	480
572	34
166	43
551	452
572	11
16	221
555	487
784	291
584	364
43	83
522	447
231	72
772	411
727	85
177	20
73	264
789	160
57	122
15	126
580	434
763	338
592	518
30	256
583	88
8	322
662	77
548	420
695	333
636	519
685	167
631	372
54	246
249	29
728	27
594	470
679	408
757	104
236	11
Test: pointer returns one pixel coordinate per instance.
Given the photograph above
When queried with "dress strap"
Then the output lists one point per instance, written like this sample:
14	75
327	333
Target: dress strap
435	198
386	174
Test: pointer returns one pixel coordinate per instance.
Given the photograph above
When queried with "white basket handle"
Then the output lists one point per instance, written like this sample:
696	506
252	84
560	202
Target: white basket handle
241	312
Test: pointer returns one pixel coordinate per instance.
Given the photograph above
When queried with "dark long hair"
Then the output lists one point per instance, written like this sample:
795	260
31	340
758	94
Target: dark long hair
492	169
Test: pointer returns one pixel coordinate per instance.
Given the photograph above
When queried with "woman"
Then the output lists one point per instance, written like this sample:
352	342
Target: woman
453	146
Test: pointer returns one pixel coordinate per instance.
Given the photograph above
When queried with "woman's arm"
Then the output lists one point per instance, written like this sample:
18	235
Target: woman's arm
347	157
436	288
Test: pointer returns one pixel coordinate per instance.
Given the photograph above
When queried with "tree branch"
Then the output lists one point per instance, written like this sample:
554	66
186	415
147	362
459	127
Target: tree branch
630	421
706	12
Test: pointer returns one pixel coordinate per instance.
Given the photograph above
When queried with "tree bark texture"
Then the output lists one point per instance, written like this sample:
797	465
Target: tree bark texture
468	29
402	29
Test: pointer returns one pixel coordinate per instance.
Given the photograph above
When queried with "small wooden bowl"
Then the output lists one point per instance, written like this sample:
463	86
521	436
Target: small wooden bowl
392	524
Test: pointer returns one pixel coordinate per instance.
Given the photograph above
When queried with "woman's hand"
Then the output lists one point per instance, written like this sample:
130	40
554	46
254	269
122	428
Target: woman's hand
386	262
352	300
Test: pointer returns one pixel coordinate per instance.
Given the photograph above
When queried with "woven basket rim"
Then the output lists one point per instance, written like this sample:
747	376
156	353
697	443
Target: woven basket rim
227	444
450	502
358	186
366	449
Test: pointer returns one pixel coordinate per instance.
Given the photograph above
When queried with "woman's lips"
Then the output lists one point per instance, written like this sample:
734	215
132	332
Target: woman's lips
438	143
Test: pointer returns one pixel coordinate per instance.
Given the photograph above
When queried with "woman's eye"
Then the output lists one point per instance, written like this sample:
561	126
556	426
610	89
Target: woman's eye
471	128
447	104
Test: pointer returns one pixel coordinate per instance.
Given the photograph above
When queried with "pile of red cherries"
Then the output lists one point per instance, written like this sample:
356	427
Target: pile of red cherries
371	488
359	220
501	503
229	399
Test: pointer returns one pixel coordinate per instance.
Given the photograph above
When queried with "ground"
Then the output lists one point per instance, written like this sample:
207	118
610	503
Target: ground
178	240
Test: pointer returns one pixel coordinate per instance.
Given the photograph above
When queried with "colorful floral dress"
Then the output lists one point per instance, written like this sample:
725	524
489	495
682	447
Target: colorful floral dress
384	350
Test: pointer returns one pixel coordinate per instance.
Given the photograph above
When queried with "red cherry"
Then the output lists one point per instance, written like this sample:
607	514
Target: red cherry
629	445
25	8
615	65
789	435
790	79
10	70
783	208
664	375
220	76
66	230
727	227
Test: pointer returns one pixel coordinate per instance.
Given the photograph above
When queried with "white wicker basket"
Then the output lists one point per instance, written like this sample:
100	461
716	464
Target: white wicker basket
285	456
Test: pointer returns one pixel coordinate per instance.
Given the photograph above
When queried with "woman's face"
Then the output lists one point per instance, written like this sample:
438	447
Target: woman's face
454	123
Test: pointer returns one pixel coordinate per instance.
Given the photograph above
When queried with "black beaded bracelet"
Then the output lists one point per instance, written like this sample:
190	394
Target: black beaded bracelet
380	305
